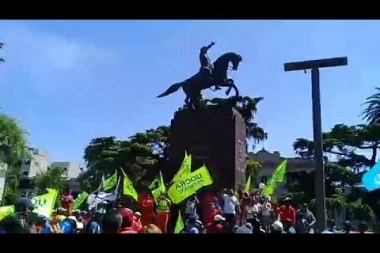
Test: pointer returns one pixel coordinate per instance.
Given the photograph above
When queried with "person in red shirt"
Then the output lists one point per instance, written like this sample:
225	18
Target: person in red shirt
211	211
126	225
286	211
146	205
67	201
216	227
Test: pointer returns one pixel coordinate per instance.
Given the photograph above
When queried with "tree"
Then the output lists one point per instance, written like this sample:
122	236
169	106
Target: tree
253	169
371	114
13	150
140	156
51	178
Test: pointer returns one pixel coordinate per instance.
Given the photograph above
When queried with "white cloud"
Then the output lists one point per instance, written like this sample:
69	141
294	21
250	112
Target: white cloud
50	58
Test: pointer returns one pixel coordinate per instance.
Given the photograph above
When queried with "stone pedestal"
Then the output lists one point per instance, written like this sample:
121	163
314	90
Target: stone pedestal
215	137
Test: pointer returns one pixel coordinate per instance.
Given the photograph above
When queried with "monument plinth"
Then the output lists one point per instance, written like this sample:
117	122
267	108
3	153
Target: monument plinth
214	136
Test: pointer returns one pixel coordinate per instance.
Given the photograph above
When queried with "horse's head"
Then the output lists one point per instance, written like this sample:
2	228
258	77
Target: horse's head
222	63
235	61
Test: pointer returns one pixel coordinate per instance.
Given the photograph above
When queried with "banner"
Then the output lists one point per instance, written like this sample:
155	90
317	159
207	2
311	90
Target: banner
371	179
179	226
248	185
80	200
189	184
185	168
110	182
128	188
277	177
5	211
44	204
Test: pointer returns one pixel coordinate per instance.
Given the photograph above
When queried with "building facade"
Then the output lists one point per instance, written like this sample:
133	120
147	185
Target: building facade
269	161
71	169
39	162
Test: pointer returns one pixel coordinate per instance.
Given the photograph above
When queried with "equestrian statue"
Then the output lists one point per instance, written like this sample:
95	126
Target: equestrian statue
208	76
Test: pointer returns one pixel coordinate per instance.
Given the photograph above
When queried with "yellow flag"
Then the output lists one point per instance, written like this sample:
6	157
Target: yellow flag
128	188
248	185
44	204
6	210
277	177
179	226
156	193
80	199
110	182
189	184
185	168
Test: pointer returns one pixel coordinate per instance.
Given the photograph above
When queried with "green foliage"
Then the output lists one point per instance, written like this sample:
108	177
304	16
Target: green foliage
360	211
13	150
141	157
253	169
53	178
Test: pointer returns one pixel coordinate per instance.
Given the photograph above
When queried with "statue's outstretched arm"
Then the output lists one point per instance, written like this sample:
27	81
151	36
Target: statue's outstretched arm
210	46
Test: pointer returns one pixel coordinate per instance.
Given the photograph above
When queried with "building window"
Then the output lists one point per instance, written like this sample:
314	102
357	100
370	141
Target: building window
25	173
65	169
264	179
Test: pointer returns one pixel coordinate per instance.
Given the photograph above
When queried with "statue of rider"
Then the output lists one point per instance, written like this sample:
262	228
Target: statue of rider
206	65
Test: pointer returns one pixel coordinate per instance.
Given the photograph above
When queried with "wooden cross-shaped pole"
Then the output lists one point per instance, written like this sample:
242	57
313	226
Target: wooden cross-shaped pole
317	128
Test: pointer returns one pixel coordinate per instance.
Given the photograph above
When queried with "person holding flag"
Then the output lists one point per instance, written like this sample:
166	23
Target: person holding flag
163	212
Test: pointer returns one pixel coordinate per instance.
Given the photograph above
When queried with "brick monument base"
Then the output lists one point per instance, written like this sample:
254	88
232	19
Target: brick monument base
216	137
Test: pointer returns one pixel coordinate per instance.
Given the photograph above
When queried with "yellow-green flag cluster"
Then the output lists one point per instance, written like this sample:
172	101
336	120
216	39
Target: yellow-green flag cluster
79	200
277	178
189	184
110	182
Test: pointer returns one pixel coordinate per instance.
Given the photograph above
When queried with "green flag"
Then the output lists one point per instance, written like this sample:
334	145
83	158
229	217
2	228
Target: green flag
277	178
128	188
247	188
80	199
185	168
110	182
158	188
179	226
189	184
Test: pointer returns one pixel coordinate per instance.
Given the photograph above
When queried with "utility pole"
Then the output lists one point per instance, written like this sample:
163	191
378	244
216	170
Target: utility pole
319	181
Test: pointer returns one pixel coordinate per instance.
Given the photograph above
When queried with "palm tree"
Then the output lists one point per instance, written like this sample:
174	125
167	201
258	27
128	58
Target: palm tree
372	112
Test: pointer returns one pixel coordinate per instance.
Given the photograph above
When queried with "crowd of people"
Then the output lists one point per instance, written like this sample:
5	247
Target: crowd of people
223	212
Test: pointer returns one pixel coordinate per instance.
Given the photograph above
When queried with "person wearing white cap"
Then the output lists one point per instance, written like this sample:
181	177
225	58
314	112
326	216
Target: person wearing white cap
277	227
217	226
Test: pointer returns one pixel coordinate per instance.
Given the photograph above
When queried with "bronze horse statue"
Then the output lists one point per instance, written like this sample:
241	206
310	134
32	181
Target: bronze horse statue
202	80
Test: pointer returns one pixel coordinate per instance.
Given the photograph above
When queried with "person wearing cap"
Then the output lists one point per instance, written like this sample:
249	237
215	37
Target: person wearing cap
245	229
216	227
286	211
193	226
277	227
19	222
136	225
210	212
126	225
42	225
163	212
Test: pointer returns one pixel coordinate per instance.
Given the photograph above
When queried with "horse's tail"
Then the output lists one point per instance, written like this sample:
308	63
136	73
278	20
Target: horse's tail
171	89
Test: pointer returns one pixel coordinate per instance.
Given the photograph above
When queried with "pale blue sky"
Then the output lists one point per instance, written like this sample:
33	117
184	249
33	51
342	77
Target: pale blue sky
71	81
